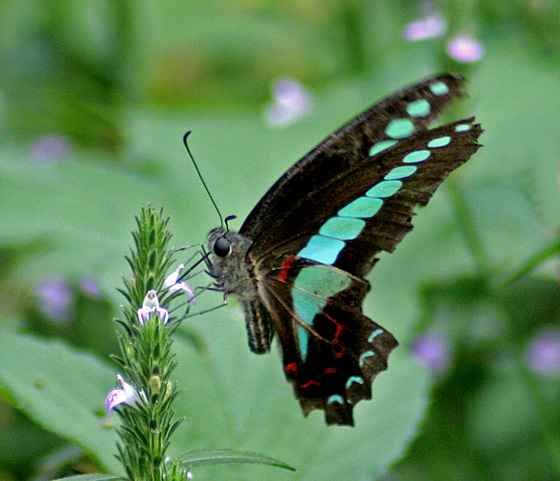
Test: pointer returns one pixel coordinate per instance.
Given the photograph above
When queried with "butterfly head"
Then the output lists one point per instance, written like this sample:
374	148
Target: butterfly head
221	246
227	260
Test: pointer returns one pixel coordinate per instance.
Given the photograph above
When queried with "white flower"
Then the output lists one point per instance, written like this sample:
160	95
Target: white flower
151	305
174	286
126	394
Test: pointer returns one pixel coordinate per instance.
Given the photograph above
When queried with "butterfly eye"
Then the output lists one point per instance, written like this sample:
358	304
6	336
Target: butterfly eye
222	247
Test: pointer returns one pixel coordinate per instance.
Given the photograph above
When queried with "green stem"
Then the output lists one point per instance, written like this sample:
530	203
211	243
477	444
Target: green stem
468	228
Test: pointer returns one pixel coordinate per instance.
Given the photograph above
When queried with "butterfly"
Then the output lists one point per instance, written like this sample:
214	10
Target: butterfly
299	261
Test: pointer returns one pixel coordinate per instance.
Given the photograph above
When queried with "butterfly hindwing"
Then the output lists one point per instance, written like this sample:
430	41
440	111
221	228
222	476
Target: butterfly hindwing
331	351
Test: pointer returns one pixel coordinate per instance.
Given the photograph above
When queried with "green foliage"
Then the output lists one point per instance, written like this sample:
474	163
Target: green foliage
120	83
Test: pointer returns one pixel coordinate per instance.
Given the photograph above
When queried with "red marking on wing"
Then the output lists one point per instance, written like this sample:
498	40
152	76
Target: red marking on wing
338	350
330	370
283	276
291	367
339	328
311	382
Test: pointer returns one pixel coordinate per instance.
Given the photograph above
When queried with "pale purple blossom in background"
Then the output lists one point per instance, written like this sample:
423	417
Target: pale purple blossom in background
432	351
90	287
465	49
56	300
292	101
49	149
427	27
543	353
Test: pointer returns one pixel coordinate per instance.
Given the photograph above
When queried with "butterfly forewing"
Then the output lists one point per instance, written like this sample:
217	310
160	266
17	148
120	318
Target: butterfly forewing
349	146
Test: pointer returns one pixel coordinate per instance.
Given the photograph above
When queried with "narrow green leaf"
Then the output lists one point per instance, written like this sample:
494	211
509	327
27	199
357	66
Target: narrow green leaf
92	477
208	457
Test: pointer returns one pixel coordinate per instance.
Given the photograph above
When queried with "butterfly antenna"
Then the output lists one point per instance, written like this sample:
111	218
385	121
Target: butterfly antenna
228	218
201	178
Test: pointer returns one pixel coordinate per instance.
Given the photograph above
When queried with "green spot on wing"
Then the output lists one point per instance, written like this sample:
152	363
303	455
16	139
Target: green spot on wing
374	334
385	188
343	228
321	281
380	146
365	355
439	142
322	249
335	398
354	379
306	306
418	108
401	172
400	128
416	156
303	337
462	128
439	88
362	207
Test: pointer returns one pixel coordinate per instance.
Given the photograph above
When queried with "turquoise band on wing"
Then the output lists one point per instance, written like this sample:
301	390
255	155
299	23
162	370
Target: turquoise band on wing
343	228
439	88
400	128
439	142
374	334
312	287
401	172
362	207
384	189
335	398
365	355
381	146
419	108
416	156
354	379
348	224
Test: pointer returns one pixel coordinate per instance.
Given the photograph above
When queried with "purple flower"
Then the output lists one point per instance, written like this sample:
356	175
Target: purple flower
428	27
543	353
432	351
56	300
90	287
126	394
174	286
49	149
291	102
465	49
151	305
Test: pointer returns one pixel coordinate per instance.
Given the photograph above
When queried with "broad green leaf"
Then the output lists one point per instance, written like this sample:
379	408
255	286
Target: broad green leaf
234	399
62	390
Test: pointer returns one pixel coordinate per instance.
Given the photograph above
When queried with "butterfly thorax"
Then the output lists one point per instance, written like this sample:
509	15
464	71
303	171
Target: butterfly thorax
234	274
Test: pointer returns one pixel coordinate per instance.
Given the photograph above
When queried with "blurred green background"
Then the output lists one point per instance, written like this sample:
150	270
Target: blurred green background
94	99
